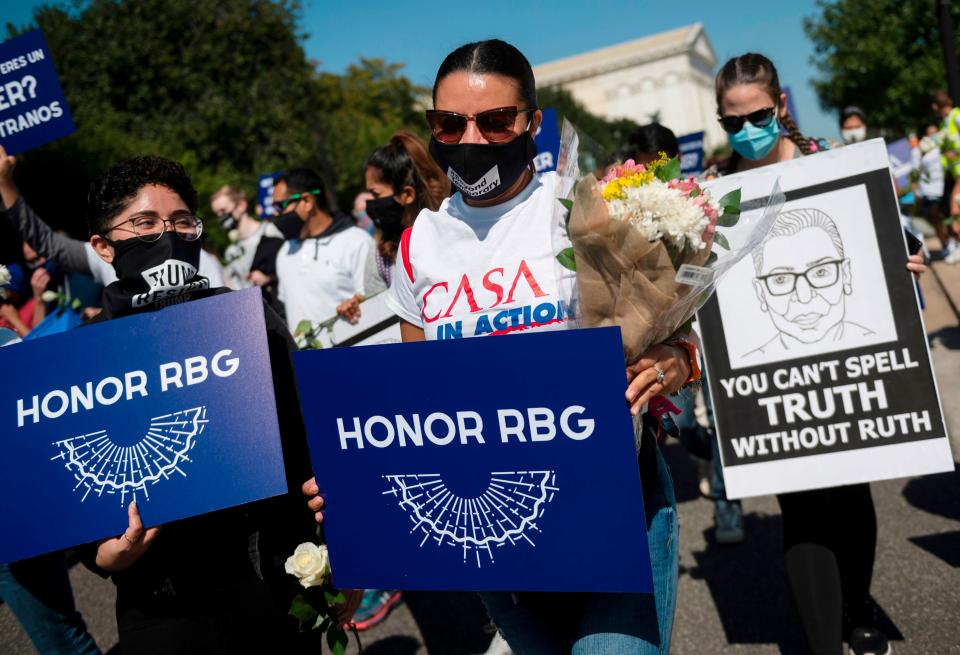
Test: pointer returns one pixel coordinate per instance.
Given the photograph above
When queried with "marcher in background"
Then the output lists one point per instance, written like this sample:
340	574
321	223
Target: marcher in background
948	140
251	258
648	141
927	161
323	264
360	213
829	535
72	255
402	180
853	125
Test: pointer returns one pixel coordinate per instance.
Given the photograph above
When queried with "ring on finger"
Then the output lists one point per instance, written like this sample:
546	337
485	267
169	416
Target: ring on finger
661	376
129	540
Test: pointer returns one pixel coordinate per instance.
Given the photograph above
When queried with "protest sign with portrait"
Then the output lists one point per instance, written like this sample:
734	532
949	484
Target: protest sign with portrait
817	357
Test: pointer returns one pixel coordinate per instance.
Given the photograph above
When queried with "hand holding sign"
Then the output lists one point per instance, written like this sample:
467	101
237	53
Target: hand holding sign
121	552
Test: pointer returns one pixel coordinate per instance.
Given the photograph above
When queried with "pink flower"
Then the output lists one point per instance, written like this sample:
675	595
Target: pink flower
685	187
627	168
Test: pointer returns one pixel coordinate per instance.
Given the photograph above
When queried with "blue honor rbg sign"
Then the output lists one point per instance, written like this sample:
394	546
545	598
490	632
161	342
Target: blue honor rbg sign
156	408
478	464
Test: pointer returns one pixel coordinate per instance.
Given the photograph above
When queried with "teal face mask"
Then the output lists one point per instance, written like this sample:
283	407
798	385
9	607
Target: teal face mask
755	142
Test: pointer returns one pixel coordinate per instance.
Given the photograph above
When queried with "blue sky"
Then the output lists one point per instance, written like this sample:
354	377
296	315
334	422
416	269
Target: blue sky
419	33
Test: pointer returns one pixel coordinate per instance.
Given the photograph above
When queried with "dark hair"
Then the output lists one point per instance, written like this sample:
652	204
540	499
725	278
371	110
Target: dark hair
305	180
752	68
852	110
941	98
113	191
653	139
492	56
404	161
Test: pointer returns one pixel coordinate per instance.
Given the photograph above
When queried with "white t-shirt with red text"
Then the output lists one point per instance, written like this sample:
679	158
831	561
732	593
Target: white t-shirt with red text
467	271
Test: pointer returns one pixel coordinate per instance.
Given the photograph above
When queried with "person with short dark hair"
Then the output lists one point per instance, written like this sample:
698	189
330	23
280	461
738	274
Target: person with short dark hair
648	141
322	264
142	222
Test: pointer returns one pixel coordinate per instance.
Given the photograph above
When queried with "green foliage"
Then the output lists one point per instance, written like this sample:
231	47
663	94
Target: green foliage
729	209
223	87
721	241
669	171
567	259
880	55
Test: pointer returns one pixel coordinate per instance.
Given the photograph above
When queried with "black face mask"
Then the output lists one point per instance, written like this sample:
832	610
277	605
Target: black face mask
289	224
227	221
153	275
484	170
387	214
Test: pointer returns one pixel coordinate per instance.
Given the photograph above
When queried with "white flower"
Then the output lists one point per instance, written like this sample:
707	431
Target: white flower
233	235
49	296
661	213
310	563
5	276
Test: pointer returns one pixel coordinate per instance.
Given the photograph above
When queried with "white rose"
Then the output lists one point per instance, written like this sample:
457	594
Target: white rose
233	235
49	296
5	276
310	563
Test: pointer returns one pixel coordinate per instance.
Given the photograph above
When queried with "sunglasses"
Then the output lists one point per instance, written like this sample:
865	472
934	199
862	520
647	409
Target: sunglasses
281	205
496	125
759	118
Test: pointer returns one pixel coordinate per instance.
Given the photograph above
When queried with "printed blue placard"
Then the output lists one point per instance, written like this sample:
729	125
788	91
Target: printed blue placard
691	153
172	408
547	140
33	109
478	464
265	184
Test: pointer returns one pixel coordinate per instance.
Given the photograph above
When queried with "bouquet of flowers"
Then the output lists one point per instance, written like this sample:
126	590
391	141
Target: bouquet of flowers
643	239
313	607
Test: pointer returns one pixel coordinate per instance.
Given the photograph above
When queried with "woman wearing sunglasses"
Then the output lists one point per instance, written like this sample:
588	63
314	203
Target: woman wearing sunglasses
829	535
493	244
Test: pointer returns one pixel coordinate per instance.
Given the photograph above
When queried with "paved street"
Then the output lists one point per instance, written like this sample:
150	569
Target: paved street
731	599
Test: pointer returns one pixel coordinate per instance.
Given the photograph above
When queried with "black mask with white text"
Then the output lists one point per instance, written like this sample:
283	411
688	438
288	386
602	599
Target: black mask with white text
387	214
481	171
152	275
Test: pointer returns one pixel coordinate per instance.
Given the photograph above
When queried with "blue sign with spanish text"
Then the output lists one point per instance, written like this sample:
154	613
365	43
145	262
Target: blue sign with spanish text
33	109
156	407
478	464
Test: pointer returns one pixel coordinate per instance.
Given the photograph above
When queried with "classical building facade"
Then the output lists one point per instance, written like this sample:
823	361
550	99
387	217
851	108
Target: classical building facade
667	75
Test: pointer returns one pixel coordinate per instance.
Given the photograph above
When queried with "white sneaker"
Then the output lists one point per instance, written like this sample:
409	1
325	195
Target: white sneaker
953	256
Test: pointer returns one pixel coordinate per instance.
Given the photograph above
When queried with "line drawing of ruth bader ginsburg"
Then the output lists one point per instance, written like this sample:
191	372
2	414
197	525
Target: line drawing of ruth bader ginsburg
802	280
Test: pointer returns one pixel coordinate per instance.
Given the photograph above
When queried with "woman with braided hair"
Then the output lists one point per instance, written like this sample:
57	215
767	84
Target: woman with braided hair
829	535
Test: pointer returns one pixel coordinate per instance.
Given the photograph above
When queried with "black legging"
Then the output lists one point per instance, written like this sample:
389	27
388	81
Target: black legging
829	543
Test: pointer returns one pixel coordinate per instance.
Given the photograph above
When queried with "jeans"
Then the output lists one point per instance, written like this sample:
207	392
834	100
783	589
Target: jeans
38	592
607	623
